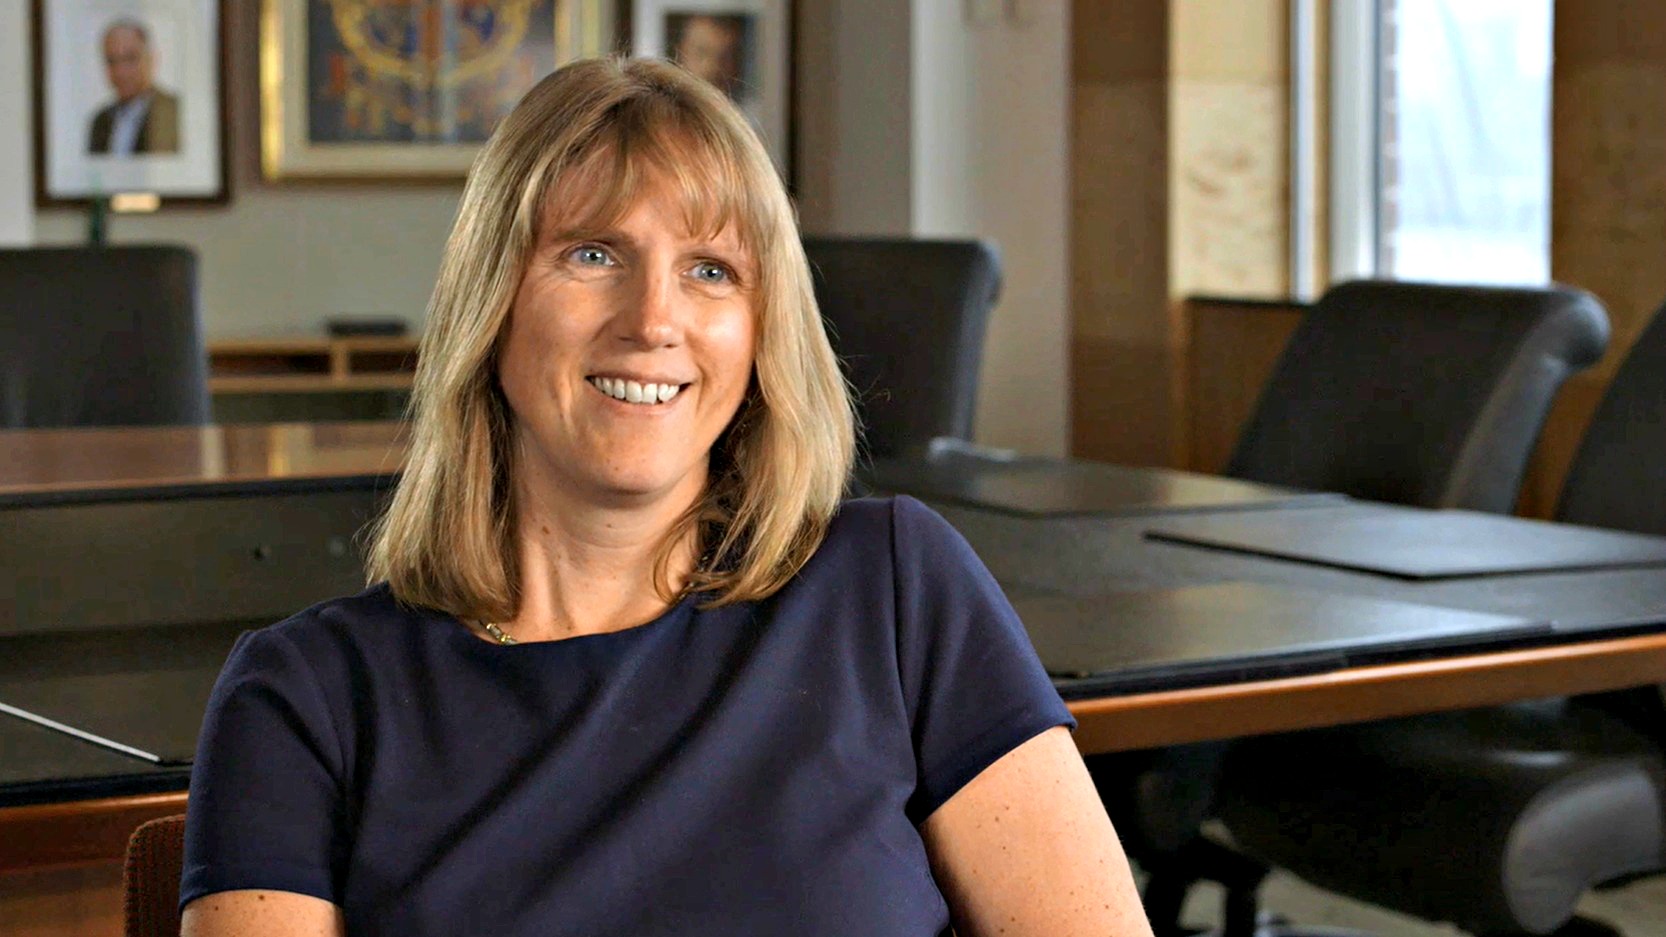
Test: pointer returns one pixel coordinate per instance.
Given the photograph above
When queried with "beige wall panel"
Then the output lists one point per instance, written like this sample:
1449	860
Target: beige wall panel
1230	192
1229	40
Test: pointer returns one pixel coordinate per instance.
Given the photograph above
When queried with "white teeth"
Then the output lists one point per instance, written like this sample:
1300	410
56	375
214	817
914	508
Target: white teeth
635	391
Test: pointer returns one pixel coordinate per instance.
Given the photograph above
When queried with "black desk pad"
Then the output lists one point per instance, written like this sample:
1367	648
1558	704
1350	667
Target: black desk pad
1410	543
1235	631
40	764
141	692
1042	487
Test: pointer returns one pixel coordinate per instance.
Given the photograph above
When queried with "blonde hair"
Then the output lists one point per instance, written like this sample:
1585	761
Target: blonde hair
584	141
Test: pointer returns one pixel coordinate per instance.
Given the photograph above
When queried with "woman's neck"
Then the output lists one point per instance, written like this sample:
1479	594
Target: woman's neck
587	568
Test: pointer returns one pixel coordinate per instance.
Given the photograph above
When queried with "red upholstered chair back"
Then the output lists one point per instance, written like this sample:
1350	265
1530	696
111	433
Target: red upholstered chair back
155	861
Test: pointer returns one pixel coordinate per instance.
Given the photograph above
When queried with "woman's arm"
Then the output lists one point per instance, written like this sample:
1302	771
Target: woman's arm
1026	848
260	913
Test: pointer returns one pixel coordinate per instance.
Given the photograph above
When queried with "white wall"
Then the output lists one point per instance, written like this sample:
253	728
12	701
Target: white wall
278	260
854	111
17	195
990	159
949	118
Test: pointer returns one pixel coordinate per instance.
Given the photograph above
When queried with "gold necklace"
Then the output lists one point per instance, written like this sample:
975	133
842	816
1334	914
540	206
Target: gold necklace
505	638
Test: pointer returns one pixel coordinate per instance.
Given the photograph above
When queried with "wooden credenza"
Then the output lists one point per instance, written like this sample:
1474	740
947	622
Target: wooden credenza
310	364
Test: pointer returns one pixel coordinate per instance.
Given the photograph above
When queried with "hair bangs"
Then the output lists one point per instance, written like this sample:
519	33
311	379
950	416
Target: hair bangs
654	146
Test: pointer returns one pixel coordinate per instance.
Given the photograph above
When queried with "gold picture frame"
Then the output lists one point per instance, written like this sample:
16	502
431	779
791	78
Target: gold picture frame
358	90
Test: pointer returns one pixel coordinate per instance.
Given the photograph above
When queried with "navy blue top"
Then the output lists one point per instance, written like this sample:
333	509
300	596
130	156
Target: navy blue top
754	769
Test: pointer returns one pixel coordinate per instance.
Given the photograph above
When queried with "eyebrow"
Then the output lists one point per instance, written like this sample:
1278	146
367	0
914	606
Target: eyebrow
616	236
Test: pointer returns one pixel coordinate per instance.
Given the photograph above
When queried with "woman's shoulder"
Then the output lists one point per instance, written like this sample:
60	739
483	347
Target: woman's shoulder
896	516
371	619
897	524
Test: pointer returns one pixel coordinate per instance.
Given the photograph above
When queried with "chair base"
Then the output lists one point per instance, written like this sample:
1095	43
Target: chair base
1494	819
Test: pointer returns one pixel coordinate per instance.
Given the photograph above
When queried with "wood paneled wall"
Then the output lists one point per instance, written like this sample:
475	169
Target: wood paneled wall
1180	176
1608	195
62	901
1124	344
1233	347
1180	181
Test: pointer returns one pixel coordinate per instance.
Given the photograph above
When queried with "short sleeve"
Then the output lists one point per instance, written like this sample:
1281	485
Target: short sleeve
267	808
974	688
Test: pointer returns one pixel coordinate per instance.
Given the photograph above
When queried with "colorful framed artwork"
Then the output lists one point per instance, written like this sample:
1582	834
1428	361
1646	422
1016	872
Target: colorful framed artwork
398	90
742	46
130	98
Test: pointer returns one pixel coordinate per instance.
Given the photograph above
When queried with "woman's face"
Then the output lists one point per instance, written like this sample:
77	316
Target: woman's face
628	352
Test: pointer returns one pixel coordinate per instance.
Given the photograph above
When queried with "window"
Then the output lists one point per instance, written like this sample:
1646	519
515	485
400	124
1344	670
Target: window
1448	178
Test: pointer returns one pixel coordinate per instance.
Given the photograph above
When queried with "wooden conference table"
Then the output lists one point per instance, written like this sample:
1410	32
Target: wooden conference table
134	554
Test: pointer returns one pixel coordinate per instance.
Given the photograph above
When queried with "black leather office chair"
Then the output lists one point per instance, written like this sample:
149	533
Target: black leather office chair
1418	394
908	319
100	337
1499	819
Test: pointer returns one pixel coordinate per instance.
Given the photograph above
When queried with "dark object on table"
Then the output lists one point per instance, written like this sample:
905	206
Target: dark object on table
955	472
907	318
352	326
103	336
1409	543
1127	642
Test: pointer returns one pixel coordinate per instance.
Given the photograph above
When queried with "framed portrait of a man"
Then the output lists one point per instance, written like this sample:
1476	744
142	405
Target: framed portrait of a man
130	98
741	46
354	89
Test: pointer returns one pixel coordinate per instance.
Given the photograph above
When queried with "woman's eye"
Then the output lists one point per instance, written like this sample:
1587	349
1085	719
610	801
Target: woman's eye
590	255
708	272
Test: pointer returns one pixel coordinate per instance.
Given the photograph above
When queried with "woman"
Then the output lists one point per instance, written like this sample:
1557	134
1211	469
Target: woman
633	668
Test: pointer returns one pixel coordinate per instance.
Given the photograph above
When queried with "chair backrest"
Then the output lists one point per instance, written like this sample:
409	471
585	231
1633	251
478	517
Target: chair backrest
104	336
1419	394
150	879
907	317
1618	476
1618	480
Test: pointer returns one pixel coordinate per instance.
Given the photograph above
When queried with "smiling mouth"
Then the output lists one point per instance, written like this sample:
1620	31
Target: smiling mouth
642	393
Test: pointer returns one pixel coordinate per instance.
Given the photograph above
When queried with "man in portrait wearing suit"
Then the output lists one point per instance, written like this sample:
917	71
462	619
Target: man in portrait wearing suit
143	118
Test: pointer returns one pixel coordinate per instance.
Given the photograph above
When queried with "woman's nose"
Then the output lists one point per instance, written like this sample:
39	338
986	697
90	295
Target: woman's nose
653	316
